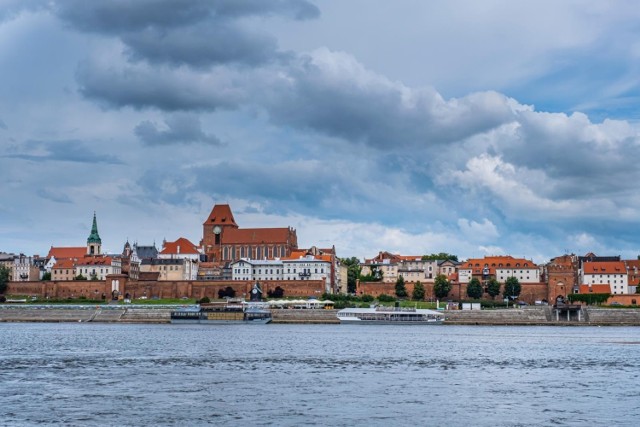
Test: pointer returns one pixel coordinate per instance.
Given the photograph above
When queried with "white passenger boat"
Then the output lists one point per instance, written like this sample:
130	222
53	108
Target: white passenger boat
390	316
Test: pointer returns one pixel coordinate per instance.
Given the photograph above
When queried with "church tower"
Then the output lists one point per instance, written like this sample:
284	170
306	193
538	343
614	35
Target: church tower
94	242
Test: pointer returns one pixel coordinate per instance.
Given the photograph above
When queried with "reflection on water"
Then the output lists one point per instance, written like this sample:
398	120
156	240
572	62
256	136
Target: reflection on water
102	374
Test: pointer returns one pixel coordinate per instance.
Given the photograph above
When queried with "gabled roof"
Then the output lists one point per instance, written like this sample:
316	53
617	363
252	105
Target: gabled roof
221	215
595	289
145	251
232	236
65	263
296	255
98	261
448	261
477	265
180	246
634	271
163	261
611	267
67	252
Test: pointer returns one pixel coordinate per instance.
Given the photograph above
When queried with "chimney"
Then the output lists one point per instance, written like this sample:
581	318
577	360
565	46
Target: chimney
178	248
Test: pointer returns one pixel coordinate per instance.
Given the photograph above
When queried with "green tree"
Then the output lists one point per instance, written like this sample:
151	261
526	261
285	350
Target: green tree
441	286
512	288
386	298
418	291
440	256
4	278
80	277
589	299
493	287
474	289
401	290
278	292
46	276
353	272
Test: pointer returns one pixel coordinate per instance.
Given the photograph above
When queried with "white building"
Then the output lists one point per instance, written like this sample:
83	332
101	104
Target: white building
303	268
523	274
613	273
97	267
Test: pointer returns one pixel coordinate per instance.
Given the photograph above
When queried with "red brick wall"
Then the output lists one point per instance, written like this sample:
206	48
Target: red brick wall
161	289
530	292
60	289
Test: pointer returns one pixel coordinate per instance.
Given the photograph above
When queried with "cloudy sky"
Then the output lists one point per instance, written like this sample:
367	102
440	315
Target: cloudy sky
476	128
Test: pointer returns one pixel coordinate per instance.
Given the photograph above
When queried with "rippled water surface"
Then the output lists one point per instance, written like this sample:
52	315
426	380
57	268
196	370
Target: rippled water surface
287	375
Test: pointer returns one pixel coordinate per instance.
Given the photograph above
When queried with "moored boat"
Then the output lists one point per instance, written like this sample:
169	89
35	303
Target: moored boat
231	311
390	316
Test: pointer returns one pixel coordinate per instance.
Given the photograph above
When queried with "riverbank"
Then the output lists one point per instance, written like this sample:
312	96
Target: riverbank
146	314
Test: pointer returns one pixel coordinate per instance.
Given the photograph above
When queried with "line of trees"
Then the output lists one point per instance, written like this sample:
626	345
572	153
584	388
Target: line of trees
4	278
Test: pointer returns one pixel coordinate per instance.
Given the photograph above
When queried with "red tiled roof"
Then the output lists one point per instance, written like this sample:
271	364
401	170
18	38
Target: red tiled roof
611	267
89	260
633	263
595	289
67	252
221	215
185	246
65	263
496	262
231	236
296	255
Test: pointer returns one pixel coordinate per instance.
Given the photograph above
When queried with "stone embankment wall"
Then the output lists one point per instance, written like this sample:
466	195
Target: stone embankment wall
513	316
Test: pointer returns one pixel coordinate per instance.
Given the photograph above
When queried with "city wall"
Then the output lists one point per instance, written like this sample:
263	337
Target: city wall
97	290
530	292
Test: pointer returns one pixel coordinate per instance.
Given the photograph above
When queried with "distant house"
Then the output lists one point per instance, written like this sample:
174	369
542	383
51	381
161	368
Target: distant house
499	268
64	269
170	268
609	273
181	248
97	268
289	269
63	253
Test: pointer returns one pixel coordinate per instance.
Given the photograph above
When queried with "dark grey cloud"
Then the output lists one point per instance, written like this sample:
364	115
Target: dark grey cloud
296	9
202	45
64	151
333	94
169	90
118	16
196	33
180	128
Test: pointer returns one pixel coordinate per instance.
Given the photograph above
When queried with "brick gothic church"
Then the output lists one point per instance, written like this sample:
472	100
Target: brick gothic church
223	240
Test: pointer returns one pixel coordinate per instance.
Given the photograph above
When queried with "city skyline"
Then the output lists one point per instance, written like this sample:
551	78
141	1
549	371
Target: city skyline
473	129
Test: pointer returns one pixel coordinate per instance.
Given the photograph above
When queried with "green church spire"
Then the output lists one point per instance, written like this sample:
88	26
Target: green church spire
94	237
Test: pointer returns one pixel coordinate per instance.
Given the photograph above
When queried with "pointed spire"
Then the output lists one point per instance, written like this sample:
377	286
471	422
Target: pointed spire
94	237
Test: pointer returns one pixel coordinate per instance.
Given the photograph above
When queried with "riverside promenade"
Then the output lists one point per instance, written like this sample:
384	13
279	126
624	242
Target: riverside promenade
145	314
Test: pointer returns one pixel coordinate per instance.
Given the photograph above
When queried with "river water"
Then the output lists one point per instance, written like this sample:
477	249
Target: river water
290	375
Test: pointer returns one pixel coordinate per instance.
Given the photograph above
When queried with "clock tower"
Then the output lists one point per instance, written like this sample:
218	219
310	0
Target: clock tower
213	229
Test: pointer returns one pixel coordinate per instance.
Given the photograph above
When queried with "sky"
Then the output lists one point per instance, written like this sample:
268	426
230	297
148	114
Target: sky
473	128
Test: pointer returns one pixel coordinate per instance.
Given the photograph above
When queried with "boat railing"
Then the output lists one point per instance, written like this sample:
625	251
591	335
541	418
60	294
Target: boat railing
396	309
